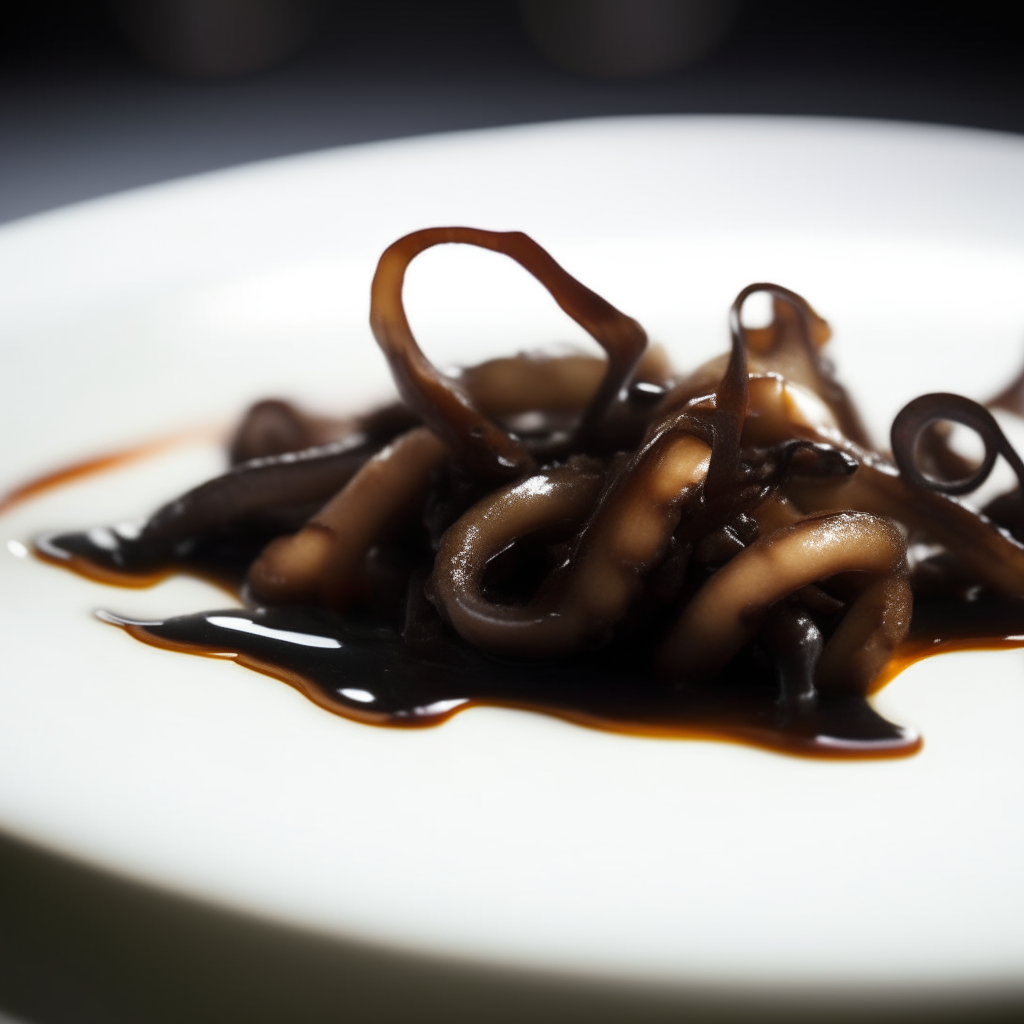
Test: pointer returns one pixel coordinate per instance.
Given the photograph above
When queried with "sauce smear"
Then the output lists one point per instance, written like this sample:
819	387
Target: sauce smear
366	670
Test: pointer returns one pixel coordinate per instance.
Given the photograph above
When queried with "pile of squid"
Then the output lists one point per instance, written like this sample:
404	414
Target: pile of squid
545	507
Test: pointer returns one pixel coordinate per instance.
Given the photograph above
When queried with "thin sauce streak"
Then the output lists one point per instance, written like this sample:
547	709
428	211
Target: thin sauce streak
100	464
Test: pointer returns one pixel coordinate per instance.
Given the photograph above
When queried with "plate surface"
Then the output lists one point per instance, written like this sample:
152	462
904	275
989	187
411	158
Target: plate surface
503	836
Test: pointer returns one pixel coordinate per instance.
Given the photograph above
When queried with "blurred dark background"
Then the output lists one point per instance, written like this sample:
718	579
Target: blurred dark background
102	95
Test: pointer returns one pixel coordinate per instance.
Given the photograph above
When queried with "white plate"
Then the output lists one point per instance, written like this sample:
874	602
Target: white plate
507	837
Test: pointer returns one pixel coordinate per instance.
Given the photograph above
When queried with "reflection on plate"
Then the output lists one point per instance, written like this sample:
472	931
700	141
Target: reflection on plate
507	837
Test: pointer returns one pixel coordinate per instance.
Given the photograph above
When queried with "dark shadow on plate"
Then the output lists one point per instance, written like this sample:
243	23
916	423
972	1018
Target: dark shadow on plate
78	945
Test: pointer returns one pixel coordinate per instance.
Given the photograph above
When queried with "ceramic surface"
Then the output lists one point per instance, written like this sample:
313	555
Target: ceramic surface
503	836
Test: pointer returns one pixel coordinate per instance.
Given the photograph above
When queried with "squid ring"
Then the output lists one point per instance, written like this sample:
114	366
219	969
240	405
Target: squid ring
563	495
727	612
623	540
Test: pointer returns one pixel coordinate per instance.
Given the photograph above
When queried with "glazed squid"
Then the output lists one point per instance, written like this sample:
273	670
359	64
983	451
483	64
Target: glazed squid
720	551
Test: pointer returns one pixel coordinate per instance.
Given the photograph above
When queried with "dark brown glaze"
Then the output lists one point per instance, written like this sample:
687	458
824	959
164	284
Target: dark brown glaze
720	556
121	557
422	678
365	672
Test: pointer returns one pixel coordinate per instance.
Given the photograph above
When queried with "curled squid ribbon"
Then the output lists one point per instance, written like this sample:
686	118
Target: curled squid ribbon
442	402
548	506
918	415
789	348
778	410
624	537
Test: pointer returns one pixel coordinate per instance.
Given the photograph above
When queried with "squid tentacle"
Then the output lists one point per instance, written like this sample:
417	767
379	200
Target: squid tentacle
321	561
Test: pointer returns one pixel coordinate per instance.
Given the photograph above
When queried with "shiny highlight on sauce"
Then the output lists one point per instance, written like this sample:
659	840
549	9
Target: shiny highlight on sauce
722	554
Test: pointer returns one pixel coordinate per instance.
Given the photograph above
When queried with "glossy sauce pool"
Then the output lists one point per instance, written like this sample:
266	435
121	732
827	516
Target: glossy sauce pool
364	670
